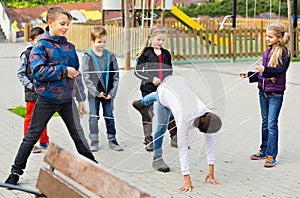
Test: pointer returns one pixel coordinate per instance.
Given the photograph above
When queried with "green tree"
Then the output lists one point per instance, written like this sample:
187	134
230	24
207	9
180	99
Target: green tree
209	7
224	7
30	3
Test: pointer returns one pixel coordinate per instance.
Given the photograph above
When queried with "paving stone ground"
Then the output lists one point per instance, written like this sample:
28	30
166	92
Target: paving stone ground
219	85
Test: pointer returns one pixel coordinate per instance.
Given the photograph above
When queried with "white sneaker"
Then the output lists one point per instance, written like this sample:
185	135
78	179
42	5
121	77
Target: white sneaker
94	146
114	145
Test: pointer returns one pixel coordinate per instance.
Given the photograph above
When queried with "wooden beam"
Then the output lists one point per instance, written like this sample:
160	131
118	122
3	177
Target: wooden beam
90	175
102	21
133	14
53	185
162	15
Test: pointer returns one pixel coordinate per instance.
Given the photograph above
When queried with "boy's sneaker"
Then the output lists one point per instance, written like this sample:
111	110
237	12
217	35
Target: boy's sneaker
44	145
160	165
12	179
270	162
36	149
114	145
94	146
258	156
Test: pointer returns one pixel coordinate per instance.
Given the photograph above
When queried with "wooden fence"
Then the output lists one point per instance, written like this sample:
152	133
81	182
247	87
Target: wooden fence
184	44
212	23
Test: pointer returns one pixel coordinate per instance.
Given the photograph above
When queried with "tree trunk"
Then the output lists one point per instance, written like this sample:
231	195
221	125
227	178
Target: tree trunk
291	43
127	33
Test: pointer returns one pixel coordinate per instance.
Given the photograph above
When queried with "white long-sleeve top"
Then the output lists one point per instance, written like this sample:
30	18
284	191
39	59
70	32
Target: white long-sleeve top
176	94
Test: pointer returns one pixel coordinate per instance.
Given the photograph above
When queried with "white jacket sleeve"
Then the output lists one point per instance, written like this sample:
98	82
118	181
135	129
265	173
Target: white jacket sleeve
183	143
210	148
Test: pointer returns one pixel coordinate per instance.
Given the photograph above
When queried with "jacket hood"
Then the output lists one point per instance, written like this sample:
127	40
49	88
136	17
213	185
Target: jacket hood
90	51
57	39
28	44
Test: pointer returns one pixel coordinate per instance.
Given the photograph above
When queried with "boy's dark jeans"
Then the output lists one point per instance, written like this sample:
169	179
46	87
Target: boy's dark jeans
108	108
43	111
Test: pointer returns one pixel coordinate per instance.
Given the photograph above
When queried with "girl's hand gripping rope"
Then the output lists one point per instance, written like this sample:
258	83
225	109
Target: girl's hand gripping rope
259	68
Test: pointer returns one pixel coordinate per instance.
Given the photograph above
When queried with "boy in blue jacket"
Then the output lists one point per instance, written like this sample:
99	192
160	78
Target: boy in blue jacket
55	65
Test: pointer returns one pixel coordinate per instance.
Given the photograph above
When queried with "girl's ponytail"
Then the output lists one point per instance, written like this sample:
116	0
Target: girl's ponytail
146	43
284	38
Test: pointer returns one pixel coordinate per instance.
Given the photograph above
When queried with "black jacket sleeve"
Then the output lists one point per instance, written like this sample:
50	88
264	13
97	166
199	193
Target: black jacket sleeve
141	67
253	77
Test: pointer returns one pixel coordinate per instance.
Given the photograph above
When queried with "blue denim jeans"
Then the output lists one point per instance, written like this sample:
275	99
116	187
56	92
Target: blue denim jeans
149	99
163	116
42	113
108	107
144	94
270	105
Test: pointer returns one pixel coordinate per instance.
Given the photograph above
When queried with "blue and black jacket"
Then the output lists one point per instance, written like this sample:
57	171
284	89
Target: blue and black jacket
49	60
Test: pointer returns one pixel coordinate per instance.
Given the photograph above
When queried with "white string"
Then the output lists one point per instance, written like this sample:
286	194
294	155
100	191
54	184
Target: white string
76	84
234	82
125	71
142	148
218	97
105	117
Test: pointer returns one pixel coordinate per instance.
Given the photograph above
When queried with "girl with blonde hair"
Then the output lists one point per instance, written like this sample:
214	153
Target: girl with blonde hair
271	78
153	65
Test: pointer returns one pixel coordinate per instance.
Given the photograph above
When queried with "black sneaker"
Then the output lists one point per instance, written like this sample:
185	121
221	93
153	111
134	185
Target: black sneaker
160	165
12	179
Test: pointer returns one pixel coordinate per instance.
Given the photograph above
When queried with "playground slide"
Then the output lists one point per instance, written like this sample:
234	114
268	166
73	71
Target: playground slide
189	22
185	19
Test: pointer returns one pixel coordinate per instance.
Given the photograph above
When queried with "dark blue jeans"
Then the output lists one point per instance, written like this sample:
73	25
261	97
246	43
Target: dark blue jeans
108	107
270	105
42	113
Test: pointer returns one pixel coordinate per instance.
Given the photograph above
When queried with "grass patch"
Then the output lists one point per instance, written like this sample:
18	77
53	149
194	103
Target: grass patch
296	59
21	111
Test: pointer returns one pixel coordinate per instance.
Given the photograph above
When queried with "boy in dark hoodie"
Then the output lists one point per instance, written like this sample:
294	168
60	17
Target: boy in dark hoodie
25	77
